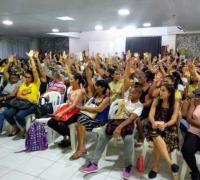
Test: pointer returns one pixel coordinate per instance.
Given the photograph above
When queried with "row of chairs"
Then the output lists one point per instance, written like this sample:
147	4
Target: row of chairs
56	99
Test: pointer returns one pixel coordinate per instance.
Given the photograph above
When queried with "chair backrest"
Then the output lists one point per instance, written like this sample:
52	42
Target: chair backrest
64	94
1	80
54	97
113	108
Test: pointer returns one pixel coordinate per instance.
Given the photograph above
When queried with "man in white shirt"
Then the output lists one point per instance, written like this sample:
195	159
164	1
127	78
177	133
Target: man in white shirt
133	109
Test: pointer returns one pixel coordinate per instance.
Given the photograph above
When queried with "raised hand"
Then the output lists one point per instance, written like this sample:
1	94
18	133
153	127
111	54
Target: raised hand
64	55
30	54
128	55
11	58
36	54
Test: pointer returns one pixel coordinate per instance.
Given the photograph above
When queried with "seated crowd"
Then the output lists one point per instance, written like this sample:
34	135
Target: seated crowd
157	96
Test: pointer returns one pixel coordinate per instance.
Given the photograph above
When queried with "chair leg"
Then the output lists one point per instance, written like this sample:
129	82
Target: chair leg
183	171
72	136
28	124
145	148
104	153
174	159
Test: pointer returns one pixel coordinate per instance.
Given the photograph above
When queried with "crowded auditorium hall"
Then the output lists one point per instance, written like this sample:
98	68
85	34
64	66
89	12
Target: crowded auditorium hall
99	90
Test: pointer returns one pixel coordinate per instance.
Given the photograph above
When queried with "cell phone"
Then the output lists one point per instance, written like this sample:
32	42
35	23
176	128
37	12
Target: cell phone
159	122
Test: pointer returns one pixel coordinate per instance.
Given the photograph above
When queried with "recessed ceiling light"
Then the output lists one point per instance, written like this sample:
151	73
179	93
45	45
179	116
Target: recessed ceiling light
113	28
123	12
55	30
98	27
65	18
7	22
147	24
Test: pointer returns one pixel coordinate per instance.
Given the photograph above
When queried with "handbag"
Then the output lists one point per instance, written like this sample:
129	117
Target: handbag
19	103
90	104
43	110
67	115
113	124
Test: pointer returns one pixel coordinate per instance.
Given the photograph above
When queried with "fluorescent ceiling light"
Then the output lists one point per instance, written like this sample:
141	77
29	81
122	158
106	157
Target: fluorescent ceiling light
123	12
98	27
148	24
55	30
65	18
7	22
67	34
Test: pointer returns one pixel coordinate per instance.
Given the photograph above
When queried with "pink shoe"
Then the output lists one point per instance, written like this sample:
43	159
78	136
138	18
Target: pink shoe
126	172
90	168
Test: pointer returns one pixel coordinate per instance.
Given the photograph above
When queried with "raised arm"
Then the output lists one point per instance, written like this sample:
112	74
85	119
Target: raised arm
6	75
89	78
127	82
40	69
33	67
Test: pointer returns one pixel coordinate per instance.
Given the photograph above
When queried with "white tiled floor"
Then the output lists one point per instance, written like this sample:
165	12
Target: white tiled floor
54	164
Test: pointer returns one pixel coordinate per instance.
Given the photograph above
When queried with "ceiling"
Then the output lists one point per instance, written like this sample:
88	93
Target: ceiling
38	17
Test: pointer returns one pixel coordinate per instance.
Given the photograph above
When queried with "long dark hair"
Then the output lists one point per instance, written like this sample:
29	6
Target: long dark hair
104	84
171	101
78	77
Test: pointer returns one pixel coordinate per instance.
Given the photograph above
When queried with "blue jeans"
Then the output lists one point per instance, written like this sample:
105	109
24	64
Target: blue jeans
2	118
19	115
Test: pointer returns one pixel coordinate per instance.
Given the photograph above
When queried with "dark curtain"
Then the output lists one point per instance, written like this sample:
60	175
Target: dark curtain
54	44
144	44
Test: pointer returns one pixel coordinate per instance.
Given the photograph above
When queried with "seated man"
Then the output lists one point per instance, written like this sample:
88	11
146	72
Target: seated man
133	109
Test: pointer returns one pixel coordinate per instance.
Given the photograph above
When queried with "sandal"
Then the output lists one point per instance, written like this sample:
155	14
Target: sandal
13	133
78	154
152	174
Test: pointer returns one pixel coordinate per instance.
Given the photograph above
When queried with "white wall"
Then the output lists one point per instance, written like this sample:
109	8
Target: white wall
109	42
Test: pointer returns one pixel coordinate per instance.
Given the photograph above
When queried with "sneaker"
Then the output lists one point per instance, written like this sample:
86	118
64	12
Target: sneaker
90	168
126	172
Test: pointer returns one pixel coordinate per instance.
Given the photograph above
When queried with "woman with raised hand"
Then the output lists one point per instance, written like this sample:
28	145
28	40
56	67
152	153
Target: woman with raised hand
163	130
29	92
67	114
93	114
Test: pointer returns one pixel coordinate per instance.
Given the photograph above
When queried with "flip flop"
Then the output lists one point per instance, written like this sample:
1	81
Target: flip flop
78	154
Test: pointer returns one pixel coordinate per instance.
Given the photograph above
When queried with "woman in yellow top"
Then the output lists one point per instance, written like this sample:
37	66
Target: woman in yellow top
29	90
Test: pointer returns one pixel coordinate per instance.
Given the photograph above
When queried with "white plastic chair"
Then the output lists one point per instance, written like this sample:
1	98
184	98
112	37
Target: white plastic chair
112	115
72	127
54	98
72	130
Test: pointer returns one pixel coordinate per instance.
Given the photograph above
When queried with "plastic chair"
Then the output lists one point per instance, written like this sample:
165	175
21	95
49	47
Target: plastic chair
54	98
72	130
111	115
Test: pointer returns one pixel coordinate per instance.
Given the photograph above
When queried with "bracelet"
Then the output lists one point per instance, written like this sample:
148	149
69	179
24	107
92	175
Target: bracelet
166	125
